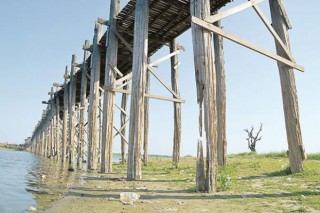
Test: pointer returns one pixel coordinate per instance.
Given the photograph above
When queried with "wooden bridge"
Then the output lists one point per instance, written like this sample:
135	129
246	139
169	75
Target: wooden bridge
78	124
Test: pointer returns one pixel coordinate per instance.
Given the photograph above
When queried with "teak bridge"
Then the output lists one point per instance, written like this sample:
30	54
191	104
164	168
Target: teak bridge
78	124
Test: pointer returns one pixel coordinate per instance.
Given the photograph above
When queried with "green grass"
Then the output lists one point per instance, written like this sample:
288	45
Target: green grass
250	182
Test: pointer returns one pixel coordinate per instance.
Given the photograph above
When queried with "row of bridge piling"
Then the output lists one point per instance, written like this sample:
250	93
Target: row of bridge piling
77	126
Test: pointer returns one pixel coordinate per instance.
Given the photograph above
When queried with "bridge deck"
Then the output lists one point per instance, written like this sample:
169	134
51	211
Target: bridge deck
167	20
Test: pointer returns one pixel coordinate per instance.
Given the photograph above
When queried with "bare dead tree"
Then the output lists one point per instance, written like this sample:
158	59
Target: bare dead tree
252	140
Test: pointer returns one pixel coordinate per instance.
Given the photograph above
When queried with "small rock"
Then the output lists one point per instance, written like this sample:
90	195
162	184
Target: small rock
145	201
303	196
141	188
98	187
128	198
111	198
180	203
33	209
289	179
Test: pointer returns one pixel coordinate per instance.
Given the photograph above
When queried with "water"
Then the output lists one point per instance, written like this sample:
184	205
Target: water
28	180
15	180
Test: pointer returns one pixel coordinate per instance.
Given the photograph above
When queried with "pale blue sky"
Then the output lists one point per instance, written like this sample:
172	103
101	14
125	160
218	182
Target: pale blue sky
37	39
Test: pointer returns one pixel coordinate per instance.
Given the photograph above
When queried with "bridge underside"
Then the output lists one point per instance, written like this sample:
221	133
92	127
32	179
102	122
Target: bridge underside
167	21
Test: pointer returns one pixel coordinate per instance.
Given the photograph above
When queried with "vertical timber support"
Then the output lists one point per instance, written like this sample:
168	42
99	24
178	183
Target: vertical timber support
58	139
139	68
297	155
52	125
65	115
176	105
205	77
200	175
43	144
94	99
83	98
221	97
110	76
123	118
72	100
146	120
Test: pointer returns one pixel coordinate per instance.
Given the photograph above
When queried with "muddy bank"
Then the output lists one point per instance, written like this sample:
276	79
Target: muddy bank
247	184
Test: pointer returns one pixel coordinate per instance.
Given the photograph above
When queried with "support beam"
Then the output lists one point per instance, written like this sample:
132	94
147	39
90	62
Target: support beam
245	43
146	121
234	10
206	84
139	68
297	154
123	119
83	100
110	76
72	109
221	97
94	99
65	115
58	127
176	105
51	117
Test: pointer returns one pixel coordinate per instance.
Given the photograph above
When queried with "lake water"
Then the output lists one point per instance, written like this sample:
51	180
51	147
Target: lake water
28	180
16	180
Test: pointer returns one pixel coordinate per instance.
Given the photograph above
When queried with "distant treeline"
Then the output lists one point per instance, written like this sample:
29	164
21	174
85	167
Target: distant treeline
11	146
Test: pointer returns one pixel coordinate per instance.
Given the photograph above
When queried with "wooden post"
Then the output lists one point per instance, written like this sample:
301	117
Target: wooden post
43	139
139	68
297	155
176	105
72	99
205	77
47	127
110	76
58	139
146	120
83	98
52	124
221	97
94	99
123	118
200	175
65	115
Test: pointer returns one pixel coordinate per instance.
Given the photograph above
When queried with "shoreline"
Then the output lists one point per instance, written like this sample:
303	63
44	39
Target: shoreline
247	184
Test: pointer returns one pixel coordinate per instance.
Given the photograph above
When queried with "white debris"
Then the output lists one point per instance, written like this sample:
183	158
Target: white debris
33	209
128	198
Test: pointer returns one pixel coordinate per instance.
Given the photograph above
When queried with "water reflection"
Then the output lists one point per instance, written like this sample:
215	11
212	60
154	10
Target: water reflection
48	181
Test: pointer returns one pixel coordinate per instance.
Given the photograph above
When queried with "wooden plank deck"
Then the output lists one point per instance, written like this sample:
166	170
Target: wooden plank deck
167	20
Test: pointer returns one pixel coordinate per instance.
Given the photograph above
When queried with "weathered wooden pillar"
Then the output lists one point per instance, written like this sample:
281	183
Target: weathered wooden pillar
58	139
110	76
139	68
47	135
43	139
205	77
65	115
221	97
72	100
52	124
176	105
94	99
281	24
146	121
123	119
200	175
83	99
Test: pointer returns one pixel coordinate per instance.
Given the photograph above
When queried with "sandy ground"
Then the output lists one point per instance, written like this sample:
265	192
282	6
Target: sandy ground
164	189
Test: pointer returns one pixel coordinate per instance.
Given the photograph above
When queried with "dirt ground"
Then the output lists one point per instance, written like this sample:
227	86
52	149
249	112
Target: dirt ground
165	189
